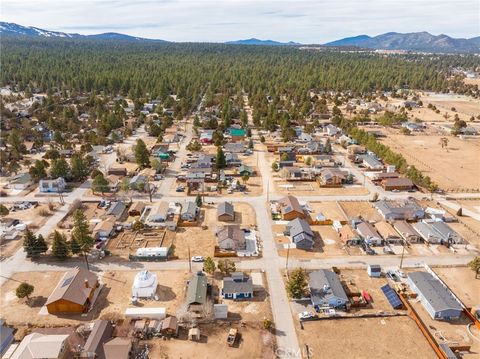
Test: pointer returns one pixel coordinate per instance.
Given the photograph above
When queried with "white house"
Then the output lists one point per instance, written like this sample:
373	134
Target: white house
144	285
20	181
52	186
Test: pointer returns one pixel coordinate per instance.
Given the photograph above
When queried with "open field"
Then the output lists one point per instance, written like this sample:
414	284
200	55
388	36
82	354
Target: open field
462	282
200	241
424	151
372	338
114	298
464	105
300	188
331	210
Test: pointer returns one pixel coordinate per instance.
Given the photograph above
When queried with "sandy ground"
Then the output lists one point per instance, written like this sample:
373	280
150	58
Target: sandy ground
462	282
463	105
33	217
348	338
459	165
111	303
91	212
364	209
201	242
312	188
452	332
330	210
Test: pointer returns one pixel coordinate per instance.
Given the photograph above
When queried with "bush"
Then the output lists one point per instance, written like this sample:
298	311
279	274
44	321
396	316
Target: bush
24	290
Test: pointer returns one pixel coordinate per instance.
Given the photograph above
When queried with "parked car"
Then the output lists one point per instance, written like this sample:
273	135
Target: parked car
158	177
306	315
197	259
393	276
180	189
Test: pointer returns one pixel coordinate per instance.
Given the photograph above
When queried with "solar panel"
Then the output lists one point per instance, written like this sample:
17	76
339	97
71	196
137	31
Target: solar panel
67	282
392	297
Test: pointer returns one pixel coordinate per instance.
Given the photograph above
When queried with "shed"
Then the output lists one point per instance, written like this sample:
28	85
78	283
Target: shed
374	270
194	334
117	348
170	326
101	332
220	311
136	209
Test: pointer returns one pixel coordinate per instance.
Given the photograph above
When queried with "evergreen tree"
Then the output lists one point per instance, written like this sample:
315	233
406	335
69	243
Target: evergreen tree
221	161
81	233
198	200
60	248
141	154
30	244
74	246
37	171
100	184
4	210
79	168
41	245
60	168
226	266
209	265
297	283
24	290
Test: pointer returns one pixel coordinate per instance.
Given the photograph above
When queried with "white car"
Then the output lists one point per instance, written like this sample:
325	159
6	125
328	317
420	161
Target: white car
306	315
197	259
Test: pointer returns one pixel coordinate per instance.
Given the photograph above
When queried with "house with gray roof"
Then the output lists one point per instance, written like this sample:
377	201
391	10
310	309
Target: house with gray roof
226	212
234	147
368	232
326	290
446	233
436	298
427	233
231	238
237	286
189	211
232	159
371	162
408	210
116	209
300	233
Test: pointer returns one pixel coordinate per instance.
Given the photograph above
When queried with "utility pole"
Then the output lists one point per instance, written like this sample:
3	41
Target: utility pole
286	262
403	251
189	258
268	190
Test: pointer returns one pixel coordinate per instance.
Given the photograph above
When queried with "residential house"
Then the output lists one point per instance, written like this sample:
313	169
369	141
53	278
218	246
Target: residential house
300	233
197	292
159	213
427	233
371	162
447	234
387	232
237	134
234	147
189	211
113	183
320	161
116	210
332	177
401	184
326	290
136	209
94	346
348	236
332	130
44	346
117	171
237	286
226	212
407	210
436	298
297	174
231	238
20	181
290	208
206	137
304	137
52	185
368	232
104	229
406	231
245	170
139	182
74	292
232	159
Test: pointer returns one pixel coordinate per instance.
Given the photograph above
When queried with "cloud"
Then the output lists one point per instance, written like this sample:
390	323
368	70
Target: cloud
314	21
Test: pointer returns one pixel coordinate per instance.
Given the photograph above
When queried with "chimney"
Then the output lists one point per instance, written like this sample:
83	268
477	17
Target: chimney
85	283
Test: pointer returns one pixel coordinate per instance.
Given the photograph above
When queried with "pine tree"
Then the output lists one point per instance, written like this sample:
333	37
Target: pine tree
141	154
37	171
221	161
81	233
24	290
209	265
60	168
297	283
30	244
41	244
198	200
79	168
100	184
74	246
60	248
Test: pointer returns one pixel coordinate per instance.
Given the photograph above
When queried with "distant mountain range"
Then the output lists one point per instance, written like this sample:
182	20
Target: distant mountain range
415	41
254	41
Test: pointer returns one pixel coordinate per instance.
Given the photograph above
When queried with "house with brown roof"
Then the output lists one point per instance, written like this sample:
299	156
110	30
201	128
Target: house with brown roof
387	232
406	231
118	348
332	177
231	238
369	234
101	332
136	209
74	293
36	345
290	208
105	228
400	183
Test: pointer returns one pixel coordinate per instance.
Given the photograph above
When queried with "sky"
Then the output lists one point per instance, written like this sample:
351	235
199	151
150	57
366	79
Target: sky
314	21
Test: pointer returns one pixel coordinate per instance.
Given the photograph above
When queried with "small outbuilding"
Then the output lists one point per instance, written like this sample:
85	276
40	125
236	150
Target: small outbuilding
145	285
170	326
194	334
374	270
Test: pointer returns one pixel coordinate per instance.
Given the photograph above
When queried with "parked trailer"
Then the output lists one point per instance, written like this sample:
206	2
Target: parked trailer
146	313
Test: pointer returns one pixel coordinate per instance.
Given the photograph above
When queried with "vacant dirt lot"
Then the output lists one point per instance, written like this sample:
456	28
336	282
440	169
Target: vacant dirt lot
363	209
34	217
462	282
459	165
201	242
348	338
312	188
331	210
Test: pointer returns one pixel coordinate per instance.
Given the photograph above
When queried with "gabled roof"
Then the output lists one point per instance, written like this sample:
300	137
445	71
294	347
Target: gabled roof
101	332
366	230
226	208
40	346
72	286
117	348
189	207
324	284
116	209
290	204
197	289
299	226
234	233
434	292
230	286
